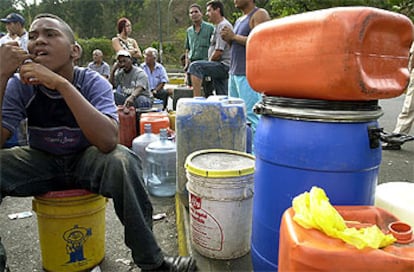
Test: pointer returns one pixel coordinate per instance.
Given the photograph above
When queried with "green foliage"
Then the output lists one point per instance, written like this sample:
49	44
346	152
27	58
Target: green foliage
405	7
88	45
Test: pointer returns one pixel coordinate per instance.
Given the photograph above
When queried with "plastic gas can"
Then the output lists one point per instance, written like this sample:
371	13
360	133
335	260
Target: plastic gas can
127	125
344	53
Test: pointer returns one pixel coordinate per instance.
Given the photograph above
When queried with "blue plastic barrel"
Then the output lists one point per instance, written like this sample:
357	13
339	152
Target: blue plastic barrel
303	143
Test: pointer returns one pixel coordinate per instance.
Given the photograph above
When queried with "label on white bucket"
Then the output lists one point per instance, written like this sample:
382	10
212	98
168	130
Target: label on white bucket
207	231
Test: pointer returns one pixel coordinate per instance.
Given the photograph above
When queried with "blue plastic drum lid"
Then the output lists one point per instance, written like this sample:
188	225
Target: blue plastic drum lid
298	145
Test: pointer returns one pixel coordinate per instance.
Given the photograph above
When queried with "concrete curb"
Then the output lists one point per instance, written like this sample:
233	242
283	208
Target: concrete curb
183	228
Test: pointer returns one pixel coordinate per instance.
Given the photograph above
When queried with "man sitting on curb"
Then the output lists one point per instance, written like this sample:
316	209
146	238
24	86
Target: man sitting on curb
98	64
130	83
157	75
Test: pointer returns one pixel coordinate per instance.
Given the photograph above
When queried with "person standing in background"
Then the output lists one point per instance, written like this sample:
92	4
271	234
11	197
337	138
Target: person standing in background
198	37
238	84
406	117
123	41
99	65
15	30
157	75
217	66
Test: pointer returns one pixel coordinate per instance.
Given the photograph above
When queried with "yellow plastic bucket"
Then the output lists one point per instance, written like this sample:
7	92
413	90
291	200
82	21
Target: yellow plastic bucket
71	228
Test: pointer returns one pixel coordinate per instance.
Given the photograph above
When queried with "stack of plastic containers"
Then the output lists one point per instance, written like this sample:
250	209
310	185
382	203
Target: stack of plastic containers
215	122
319	115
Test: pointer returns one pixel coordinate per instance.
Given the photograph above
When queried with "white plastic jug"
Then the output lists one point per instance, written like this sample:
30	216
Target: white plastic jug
397	198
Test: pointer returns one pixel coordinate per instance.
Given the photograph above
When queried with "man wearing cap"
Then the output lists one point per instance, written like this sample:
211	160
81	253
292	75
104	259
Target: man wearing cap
130	82
15	30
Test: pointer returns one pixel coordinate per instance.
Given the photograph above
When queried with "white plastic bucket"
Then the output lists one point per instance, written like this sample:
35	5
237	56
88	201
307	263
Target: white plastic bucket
397	198
220	186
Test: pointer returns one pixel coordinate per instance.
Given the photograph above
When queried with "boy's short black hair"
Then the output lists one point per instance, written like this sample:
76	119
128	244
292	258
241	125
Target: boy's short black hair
66	28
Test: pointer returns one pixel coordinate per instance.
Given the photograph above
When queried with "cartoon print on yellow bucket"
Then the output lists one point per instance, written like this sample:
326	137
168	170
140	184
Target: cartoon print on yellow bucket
71	227
75	238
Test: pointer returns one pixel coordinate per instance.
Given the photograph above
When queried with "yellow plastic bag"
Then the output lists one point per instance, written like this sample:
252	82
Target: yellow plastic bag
313	210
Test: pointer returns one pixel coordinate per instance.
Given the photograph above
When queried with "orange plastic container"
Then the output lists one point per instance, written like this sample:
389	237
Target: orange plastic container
344	53
303	249
158	120
127	125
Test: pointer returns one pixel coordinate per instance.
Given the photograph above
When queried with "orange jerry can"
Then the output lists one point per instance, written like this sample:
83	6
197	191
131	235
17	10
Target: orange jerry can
344	53
158	120
127	125
309	250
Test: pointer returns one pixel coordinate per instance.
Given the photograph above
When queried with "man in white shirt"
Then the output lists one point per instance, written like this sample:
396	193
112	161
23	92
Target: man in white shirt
218	63
15	30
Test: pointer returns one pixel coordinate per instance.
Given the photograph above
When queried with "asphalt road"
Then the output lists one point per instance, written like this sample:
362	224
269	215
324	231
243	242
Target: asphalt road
20	236
395	165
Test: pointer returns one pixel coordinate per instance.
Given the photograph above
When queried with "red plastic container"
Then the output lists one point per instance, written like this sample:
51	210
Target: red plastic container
344	53
303	249
158	120
127	125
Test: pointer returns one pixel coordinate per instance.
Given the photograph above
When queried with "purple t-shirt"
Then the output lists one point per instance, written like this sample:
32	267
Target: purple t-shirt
51	124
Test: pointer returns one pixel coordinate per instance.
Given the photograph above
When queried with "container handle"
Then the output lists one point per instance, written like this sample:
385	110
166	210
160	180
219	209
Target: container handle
374	136
396	82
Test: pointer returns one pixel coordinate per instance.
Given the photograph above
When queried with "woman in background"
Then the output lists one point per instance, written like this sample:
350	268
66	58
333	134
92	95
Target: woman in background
122	41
